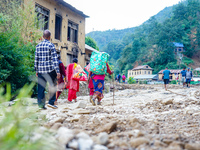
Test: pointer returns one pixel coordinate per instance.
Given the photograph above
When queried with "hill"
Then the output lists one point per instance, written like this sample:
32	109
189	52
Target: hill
151	43
104	37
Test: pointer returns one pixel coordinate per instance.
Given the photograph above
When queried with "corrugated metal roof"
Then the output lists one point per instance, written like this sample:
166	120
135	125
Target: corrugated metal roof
145	76
172	71
142	67
178	44
90	48
197	69
62	2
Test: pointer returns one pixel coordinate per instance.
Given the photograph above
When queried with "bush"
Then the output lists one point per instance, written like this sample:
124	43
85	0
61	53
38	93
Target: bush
18	38
19	124
173	82
187	61
142	82
131	80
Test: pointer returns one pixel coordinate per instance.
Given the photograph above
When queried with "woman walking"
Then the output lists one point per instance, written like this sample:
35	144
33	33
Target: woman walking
98	82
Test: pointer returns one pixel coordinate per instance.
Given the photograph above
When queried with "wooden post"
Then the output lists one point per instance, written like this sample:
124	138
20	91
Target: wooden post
113	89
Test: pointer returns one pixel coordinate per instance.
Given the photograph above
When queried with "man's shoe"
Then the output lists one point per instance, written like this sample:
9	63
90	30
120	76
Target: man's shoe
52	106
93	102
42	108
98	102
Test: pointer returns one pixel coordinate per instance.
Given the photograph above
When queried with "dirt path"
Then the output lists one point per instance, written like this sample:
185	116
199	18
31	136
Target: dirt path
143	117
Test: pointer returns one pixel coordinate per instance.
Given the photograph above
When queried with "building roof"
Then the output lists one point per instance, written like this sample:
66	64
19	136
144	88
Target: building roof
172	71
197	69
62	2
90	48
146	77
142	67
178	44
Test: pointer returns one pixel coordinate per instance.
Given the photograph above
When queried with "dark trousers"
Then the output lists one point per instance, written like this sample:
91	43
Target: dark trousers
43	78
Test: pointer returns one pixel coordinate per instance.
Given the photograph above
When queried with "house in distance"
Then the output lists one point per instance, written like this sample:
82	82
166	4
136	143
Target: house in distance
140	70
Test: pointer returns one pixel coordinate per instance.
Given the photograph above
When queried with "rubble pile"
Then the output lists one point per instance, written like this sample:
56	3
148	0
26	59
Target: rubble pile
143	117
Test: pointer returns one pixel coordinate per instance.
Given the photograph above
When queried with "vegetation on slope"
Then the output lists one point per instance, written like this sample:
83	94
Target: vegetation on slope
151	43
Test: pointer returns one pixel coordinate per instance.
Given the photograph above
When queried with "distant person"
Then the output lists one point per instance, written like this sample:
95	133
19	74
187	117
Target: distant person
183	73
72	85
47	70
123	78
61	82
165	75
188	77
119	78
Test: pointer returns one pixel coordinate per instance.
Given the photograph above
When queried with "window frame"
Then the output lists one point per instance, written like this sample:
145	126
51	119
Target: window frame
72	32
43	16
59	16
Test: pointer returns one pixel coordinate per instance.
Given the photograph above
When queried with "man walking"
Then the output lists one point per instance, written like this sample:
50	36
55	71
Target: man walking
119	77
165	75
188	77
47	69
183	73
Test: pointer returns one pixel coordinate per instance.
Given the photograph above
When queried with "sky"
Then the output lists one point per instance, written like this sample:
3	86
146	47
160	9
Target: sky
118	14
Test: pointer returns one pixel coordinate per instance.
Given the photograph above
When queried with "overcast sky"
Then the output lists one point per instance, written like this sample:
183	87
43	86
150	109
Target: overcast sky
118	14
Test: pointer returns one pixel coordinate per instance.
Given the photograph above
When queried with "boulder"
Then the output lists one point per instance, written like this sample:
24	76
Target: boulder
65	135
192	146
100	147
109	127
83	135
80	104
139	141
85	144
56	126
102	138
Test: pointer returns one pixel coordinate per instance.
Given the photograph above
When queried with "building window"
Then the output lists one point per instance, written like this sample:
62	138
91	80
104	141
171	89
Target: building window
179	49
58	27
148	72
144	72
140	72
72	32
42	17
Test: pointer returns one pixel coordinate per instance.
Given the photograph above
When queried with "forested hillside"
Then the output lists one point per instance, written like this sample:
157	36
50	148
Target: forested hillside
104	37
151	43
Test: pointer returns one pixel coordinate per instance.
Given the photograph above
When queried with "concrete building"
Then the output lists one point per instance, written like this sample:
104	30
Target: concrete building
179	47
175	74
67	26
140	70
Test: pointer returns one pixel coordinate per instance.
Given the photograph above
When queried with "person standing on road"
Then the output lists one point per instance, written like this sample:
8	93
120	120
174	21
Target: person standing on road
188	77
119	78
183	73
123	78
165	75
47	70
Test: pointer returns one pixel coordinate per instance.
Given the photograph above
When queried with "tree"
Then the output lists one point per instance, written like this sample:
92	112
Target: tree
91	42
18	38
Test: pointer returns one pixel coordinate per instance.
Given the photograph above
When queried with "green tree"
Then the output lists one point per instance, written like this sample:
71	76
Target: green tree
91	42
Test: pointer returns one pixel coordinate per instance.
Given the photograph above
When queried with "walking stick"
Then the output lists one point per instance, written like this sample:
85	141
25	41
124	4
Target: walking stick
113	89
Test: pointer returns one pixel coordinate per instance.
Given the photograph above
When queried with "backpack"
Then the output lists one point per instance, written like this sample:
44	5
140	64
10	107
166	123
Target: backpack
98	62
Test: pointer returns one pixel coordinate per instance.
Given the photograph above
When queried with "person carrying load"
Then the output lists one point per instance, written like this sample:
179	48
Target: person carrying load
98	68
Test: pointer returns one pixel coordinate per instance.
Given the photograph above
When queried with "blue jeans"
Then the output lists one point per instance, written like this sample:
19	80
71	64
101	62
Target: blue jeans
43	78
